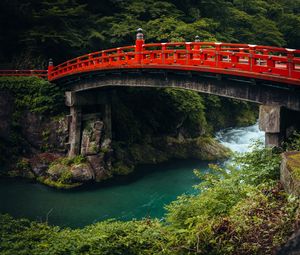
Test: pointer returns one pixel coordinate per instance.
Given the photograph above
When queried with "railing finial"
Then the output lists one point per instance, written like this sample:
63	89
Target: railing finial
50	68
50	63
197	38
139	35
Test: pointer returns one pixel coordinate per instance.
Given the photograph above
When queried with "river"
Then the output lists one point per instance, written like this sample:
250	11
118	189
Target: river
141	194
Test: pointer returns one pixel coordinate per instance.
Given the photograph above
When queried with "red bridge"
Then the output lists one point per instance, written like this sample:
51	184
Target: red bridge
266	75
250	61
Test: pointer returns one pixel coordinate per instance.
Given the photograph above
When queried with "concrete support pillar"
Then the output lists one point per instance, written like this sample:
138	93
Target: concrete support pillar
271	121
78	103
75	130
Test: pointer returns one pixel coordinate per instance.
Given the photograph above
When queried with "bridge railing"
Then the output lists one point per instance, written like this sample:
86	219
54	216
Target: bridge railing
101	59
238	59
38	73
264	62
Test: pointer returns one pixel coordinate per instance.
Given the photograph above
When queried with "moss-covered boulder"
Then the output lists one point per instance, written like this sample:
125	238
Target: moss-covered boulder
68	172
290	172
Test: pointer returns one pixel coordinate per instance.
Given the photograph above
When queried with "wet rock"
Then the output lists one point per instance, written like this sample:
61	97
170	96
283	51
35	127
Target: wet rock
91	137
292	247
58	134
40	162
99	167
43	133
82	173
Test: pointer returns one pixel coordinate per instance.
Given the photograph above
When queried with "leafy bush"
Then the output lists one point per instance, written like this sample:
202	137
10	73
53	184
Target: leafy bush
293	143
209	223
34	94
69	161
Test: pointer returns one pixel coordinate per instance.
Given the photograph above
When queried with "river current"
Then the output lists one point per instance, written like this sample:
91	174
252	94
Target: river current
141	194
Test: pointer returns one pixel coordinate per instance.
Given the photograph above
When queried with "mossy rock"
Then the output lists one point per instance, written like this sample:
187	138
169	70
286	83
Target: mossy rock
120	168
57	184
294	164
81	172
290	172
70	170
57	169
209	149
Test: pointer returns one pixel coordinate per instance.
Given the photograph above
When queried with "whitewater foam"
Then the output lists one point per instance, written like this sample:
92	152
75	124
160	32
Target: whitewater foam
240	139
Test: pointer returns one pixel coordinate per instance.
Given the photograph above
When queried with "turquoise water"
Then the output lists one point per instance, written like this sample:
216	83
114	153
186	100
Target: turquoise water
142	194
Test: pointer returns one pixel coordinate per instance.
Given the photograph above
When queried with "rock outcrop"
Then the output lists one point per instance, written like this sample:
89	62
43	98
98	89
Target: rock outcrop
6	111
290	172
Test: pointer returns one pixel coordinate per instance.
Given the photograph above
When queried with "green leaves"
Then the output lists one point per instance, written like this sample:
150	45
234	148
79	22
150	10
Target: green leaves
62	29
238	208
34	94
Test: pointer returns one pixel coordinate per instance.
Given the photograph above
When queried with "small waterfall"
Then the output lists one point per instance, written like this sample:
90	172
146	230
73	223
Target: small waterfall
239	139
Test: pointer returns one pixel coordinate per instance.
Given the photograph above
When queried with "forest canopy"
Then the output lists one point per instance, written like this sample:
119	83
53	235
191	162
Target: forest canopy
33	30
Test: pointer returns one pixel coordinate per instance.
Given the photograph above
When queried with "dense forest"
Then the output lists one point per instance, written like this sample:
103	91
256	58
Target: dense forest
33	31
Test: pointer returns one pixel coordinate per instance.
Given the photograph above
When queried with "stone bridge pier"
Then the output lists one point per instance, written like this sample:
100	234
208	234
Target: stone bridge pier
86	106
278	123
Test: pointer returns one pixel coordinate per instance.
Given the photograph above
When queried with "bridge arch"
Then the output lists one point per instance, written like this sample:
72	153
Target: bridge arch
277	102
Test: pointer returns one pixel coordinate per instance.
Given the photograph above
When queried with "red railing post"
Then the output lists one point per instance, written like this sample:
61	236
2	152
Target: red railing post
163	54
218	56
188	52
290	61
252	60
139	46
119	57
196	48
50	68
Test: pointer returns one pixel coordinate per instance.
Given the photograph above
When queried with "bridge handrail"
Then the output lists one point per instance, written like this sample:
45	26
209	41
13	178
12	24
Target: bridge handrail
38	73
230	58
234	58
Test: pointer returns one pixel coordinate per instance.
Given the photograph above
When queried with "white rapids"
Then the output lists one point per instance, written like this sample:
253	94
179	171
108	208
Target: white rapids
240	139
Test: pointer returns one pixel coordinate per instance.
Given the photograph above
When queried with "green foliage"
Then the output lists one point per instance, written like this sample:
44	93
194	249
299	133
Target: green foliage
69	161
262	165
34	94
36	30
293	143
60	183
109	237
23	165
223	113
140	113
211	222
